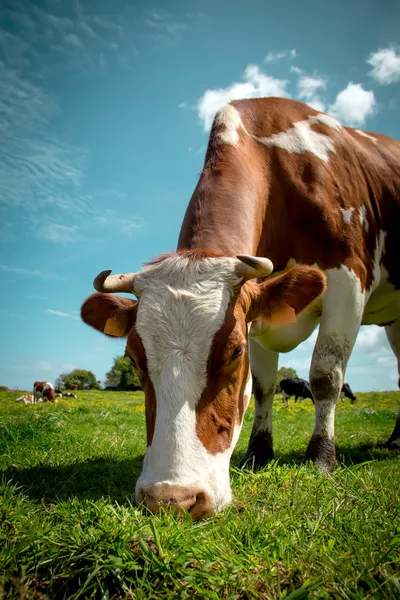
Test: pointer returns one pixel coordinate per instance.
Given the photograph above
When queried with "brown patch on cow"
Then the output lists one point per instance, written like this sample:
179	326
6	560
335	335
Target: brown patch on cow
221	405
255	199
136	353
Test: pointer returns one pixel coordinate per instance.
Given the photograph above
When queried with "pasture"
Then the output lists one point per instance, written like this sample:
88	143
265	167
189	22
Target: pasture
70	529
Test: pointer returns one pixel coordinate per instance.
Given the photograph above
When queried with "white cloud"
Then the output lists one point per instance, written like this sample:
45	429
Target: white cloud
256	84
308	87
38	273
353	105
59	313
275	56
385	65
372	340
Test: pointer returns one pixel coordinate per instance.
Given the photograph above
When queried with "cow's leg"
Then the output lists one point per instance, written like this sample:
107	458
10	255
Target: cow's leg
393	335
264	366
342	308
285	399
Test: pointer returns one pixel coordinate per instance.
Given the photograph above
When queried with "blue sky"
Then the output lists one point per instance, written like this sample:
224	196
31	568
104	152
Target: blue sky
104	109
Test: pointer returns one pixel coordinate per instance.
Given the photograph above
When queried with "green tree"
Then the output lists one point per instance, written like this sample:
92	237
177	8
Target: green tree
285	373
122	375
85	380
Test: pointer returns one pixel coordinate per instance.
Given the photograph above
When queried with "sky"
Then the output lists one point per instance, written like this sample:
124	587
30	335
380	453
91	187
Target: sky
105	109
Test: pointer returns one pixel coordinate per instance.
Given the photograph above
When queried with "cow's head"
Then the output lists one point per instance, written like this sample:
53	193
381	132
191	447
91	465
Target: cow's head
187	336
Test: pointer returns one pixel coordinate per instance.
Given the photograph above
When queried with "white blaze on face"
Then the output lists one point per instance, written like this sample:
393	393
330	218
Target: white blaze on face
177	322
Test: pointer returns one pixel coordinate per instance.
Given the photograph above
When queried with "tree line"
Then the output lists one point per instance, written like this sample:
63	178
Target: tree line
122	376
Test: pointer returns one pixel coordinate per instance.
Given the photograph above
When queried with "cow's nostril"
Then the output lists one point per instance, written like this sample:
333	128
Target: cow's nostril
160	497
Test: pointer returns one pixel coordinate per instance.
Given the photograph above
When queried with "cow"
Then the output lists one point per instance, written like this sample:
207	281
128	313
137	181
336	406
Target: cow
347	393
74	386
26	399
294	222
299	388
43	391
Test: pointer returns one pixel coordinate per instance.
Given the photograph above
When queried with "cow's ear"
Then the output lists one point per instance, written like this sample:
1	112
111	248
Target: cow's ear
278	301
112	315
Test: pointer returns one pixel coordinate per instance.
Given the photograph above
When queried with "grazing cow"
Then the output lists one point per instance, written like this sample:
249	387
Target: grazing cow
43	391
346	392
74	386
284	181
299	388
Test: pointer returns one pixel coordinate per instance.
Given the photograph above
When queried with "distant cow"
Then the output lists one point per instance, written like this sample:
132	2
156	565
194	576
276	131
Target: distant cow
299	388
346	392
74	386
44	391
27	399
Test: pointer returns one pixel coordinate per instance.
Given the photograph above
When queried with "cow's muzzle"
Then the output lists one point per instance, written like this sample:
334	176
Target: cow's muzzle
164	496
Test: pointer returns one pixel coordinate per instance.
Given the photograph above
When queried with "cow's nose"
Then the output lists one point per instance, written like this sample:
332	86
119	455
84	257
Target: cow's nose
162	496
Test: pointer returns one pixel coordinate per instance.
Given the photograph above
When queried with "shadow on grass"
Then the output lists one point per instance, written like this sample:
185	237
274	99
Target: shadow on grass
91	479
345	455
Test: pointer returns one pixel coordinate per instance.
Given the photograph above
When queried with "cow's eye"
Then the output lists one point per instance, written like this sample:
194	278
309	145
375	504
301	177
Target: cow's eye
238	351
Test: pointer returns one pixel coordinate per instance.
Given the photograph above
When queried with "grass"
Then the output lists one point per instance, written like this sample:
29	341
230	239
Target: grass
69	527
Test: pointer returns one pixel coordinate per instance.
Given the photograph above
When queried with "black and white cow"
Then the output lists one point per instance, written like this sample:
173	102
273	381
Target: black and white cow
299	388
347	393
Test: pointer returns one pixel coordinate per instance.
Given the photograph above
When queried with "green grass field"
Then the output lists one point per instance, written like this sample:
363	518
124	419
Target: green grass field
69	527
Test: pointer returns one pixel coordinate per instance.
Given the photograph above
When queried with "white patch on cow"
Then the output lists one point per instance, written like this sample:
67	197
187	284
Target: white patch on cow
366	135
247	393
182	305
363	217
229	117
347	213
382	299
342	308
302	138
379	274
326	120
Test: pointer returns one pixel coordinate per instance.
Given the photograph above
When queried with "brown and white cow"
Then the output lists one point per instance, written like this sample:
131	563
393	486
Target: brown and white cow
282	181
43	391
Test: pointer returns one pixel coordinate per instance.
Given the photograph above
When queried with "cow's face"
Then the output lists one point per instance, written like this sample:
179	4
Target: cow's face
187	337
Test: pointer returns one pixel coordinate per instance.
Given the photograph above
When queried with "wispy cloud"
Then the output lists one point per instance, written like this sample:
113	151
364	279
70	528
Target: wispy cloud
385	65
60	234
272	57
38	171
38	273
309	88
59	313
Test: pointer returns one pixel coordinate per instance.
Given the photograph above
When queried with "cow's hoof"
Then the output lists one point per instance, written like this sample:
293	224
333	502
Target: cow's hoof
259	453
393	444
321	450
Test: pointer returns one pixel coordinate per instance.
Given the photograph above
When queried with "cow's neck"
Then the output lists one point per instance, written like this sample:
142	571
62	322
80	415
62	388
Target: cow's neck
225	214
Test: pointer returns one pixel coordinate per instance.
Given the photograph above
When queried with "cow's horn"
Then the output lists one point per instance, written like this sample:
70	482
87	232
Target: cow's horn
254	267
122	282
